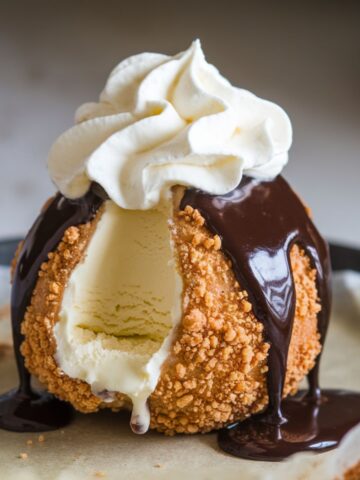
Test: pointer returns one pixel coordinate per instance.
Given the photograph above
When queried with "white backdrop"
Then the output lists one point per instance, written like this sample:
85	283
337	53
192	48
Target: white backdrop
303	55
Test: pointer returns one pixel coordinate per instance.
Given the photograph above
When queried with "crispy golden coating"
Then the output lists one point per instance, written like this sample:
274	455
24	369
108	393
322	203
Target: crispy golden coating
353	473
216	372
39	346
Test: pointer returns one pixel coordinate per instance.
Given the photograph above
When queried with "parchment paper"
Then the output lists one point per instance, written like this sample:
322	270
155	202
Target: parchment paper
102	445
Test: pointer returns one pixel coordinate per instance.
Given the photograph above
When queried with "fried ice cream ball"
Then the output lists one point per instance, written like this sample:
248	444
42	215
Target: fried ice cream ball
216	368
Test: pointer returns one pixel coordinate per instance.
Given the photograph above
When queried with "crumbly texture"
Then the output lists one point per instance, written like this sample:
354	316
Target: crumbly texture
353	473
39	346
216	371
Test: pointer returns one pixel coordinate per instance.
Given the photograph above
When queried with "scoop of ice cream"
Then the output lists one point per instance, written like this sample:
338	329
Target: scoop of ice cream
117	316
164	121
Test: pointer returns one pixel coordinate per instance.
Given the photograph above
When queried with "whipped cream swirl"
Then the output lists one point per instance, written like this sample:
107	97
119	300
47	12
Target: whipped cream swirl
163	121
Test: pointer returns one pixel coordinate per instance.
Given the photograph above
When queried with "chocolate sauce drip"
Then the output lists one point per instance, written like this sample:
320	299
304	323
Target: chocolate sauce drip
258	223
25	409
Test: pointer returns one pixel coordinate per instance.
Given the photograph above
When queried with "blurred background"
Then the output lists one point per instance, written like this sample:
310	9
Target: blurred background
304	55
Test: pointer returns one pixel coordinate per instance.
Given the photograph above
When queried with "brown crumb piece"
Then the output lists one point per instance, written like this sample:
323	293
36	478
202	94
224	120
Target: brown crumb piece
100	474
23	456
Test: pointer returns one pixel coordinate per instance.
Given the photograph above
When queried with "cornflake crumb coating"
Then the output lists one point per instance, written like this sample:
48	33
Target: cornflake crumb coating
353	473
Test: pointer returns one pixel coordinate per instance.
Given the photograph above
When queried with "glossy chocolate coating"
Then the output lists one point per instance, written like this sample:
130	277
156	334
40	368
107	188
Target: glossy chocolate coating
258	223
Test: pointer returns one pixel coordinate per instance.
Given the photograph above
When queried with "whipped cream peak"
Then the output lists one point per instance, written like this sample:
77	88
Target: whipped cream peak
163	121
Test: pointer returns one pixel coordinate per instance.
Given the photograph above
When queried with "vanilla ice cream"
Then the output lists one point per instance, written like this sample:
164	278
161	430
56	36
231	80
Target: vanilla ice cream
120	307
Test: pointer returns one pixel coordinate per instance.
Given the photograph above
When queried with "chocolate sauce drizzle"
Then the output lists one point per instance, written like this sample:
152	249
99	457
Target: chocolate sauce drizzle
25	409
258	223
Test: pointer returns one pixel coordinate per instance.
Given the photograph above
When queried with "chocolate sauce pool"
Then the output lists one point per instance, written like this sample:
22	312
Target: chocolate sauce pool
24	409
258	222
312	426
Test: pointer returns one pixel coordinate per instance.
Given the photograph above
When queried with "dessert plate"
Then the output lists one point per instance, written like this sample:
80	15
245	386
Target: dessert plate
103	446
